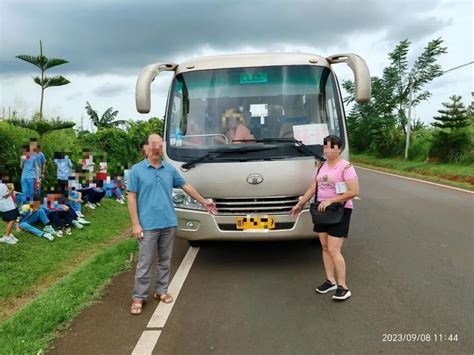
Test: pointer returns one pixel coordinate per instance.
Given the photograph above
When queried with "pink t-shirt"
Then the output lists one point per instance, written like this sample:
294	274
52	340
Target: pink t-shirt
239	133
328	177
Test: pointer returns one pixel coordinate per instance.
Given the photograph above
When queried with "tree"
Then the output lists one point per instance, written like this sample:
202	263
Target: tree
116	144
451	140
40	125
454	116
107	120
390	93
44	63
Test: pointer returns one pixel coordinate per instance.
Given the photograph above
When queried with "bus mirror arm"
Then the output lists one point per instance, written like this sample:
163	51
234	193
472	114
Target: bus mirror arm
142	89
358	66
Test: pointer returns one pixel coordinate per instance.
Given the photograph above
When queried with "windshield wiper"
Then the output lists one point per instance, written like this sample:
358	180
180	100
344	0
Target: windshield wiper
300	146
211	155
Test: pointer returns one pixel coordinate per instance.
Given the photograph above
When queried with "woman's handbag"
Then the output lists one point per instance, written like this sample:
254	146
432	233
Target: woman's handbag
332	214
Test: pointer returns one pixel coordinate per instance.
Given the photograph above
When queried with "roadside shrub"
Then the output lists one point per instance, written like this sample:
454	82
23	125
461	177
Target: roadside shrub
420	145
450	147
116	144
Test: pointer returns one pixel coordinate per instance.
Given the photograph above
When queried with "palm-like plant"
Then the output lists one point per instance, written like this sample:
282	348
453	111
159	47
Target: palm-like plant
107	120
44	63
41	126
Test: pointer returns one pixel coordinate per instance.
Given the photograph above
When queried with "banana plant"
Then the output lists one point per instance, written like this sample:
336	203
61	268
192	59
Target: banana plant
107	120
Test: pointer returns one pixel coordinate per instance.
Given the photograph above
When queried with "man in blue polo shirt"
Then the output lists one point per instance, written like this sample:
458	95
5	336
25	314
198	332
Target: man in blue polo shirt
150	203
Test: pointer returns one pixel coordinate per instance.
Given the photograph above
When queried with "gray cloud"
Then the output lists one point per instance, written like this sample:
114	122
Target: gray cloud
111	90
415	28
122	37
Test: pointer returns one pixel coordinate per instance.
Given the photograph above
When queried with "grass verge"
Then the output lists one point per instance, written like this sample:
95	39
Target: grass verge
34	326
461	176
32	265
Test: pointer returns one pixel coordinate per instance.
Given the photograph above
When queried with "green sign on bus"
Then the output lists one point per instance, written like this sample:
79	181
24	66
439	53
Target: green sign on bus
251	78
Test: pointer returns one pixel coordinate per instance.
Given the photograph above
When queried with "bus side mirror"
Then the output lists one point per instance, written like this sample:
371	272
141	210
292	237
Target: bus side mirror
142	88
362	81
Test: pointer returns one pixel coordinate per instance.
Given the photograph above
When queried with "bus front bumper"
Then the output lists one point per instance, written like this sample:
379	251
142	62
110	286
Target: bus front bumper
199	225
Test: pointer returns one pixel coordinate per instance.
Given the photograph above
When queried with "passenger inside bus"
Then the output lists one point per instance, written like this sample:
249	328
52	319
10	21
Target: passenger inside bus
234	122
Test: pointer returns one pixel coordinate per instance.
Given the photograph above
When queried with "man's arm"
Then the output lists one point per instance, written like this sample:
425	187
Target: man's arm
137	231
209	205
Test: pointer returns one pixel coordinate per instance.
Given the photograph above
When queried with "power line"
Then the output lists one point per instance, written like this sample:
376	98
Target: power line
459	66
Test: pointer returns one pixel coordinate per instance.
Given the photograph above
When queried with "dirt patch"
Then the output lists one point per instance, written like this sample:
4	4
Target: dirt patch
450	177
12	305
464	179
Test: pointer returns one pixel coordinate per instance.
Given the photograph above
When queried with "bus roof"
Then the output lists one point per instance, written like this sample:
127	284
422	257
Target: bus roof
251	60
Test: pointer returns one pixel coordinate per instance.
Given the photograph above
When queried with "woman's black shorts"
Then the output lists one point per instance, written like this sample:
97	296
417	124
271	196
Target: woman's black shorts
10	215
340	230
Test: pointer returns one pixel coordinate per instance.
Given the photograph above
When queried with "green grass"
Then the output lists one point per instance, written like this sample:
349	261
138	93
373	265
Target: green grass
30	330
450	174
34	264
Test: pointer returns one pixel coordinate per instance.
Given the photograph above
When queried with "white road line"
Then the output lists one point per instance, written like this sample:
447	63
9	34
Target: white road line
149	338
418	180
147	342
158	319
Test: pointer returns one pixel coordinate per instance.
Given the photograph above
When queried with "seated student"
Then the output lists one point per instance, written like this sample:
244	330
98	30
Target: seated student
113	186
8	208
101	176
236	129
126	174
31	213
96	193
75	197
61	214
91	194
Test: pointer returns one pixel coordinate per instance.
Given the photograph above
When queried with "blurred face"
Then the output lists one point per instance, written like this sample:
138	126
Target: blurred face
36	204
154	148
331	150
33	147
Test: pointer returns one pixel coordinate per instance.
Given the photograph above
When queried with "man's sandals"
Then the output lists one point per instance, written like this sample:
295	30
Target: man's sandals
165	298
136	308
137	304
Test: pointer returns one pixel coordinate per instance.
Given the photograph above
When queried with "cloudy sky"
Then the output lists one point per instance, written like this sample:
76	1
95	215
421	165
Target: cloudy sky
108	43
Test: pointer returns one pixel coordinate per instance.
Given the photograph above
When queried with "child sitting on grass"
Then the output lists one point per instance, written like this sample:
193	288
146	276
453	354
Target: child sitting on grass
113	186
30	214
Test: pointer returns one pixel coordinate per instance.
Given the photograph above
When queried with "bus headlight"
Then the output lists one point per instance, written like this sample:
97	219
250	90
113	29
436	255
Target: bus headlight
182	200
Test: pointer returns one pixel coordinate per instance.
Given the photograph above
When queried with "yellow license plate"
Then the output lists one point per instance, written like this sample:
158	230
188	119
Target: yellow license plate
255	222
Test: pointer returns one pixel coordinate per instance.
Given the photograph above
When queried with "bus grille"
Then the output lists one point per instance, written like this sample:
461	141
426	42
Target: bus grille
258	205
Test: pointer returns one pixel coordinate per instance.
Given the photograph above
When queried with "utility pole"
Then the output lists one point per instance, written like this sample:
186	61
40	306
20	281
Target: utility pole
410	102
408	127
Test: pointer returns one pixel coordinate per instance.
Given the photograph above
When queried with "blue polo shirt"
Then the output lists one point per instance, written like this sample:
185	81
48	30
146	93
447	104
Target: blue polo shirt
154	189
29	170
64	165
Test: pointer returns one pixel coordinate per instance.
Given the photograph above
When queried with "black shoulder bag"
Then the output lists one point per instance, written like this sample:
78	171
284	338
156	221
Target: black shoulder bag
333	213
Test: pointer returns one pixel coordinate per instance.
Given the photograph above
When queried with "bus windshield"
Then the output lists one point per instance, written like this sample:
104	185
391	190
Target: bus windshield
215	109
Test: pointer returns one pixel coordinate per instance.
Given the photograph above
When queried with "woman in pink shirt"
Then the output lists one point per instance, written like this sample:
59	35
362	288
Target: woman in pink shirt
337	182
237	131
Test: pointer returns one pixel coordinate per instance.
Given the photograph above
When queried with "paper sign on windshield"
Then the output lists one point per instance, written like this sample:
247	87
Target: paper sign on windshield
311	134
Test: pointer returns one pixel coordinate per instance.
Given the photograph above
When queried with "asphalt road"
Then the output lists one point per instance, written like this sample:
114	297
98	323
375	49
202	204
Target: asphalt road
410	268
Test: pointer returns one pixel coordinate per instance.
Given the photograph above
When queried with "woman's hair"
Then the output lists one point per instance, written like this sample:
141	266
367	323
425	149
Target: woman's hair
334	140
